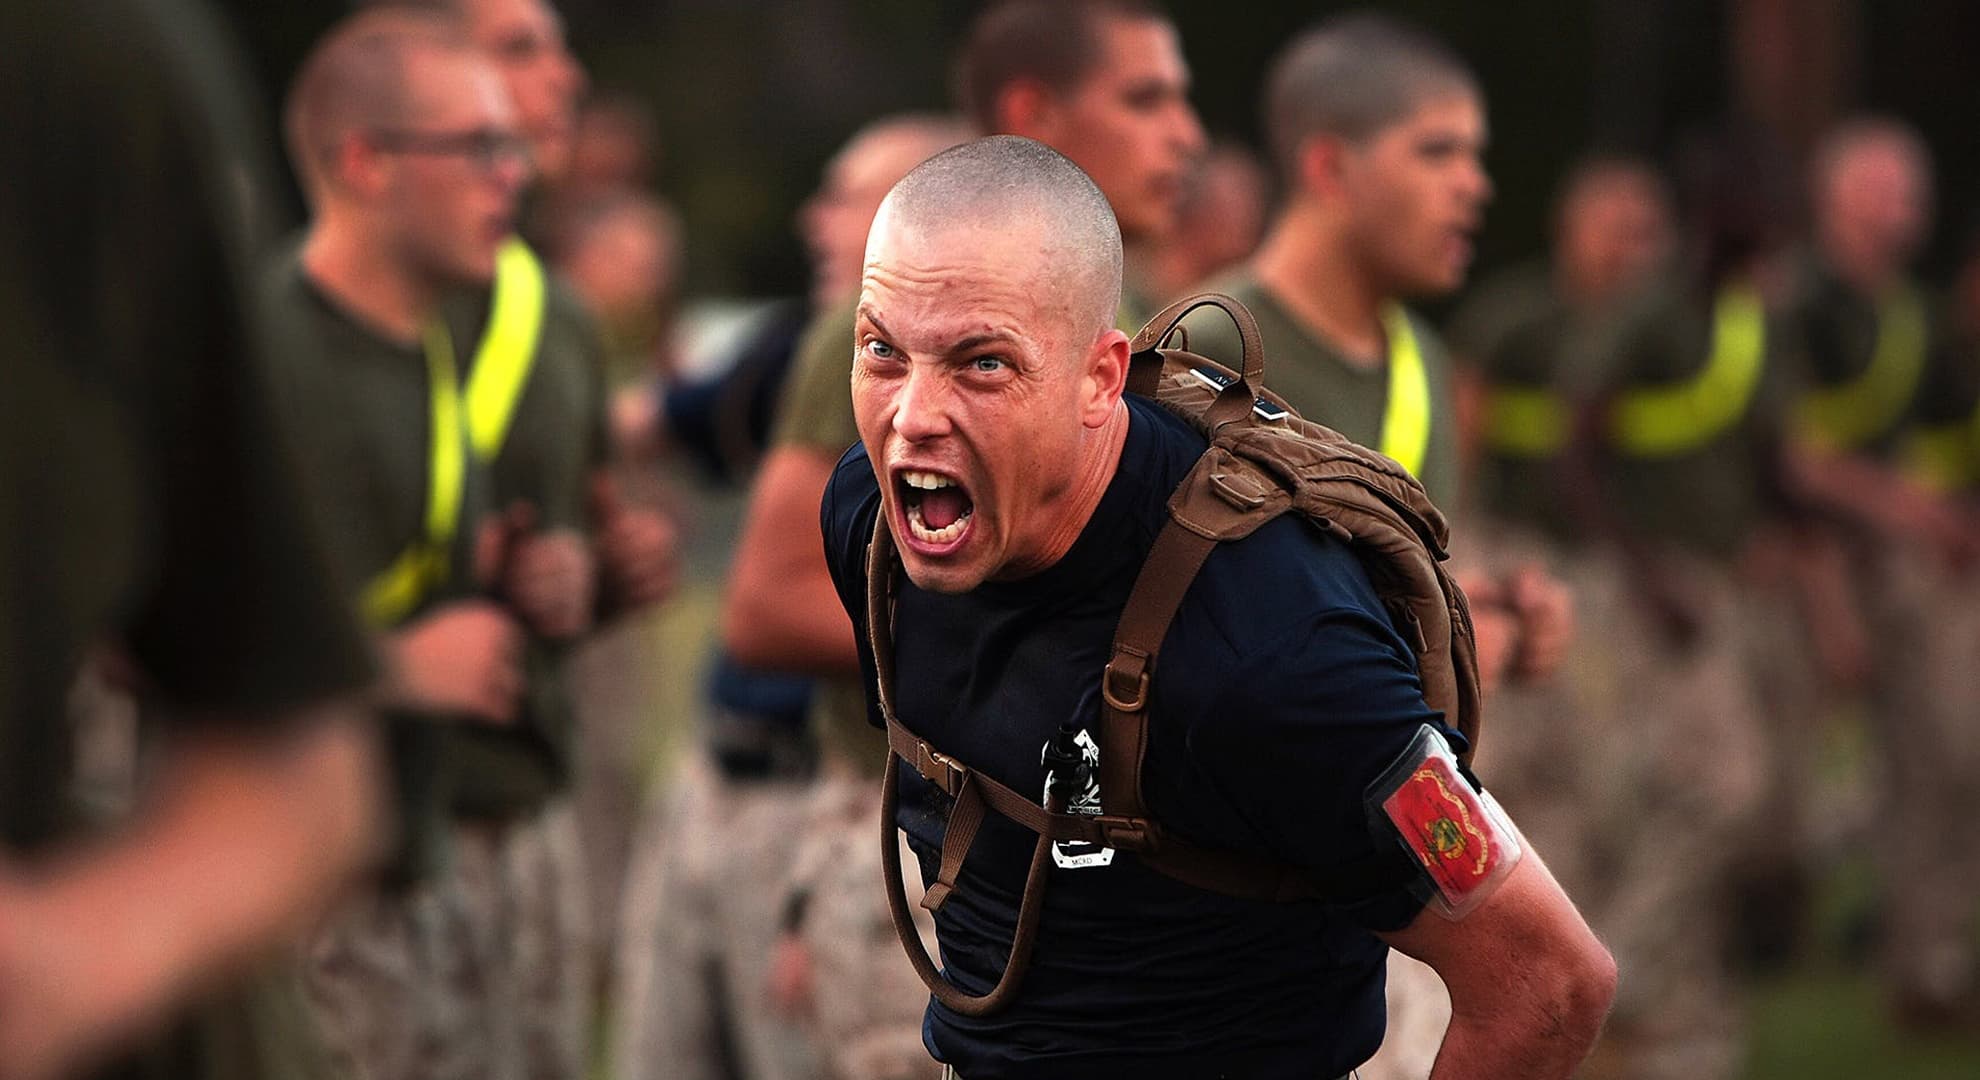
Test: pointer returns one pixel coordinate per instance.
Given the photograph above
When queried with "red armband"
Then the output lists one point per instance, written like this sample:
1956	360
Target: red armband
1455	830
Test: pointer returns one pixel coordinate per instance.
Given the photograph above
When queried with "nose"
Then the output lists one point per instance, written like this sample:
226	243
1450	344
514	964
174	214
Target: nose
571	74
921	408
1477	182
1189	137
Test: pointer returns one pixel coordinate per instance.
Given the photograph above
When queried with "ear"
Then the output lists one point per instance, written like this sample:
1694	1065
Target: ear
1100	389
359	166
1026	107
1322	164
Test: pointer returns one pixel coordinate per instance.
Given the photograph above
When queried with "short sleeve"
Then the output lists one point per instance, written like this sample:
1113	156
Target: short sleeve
1325	714
815	409
847	511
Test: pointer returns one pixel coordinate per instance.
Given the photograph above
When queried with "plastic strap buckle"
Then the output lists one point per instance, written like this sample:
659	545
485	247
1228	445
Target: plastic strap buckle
939	769
1128	833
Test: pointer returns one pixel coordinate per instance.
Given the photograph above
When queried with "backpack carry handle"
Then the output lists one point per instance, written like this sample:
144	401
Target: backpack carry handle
1145	364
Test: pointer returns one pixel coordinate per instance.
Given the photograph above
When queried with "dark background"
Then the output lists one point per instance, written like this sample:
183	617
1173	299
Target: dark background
752	96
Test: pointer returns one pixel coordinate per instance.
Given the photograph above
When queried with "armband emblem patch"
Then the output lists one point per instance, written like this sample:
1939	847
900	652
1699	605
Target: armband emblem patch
1456	832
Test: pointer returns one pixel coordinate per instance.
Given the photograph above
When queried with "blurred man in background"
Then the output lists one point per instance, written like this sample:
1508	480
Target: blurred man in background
1378	130
549	458
151	509
1866	331
414	163
1103	82
1520	331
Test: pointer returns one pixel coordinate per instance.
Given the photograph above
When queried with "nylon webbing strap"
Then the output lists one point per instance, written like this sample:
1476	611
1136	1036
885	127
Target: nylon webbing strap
1234	402
1664	421
1851	414
508	347
1406	417
400	588
1158	591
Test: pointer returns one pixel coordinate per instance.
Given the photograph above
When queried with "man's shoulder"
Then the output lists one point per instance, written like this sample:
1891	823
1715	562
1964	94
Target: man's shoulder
851	501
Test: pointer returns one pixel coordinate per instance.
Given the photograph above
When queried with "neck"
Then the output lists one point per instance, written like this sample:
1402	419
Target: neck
359	271
1869	276
1308	266
1082	498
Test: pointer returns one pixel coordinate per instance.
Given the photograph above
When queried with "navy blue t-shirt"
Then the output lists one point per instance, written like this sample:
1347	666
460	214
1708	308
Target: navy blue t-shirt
1282	693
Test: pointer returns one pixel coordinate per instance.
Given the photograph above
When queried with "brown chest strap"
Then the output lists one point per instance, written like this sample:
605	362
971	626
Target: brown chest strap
1152	604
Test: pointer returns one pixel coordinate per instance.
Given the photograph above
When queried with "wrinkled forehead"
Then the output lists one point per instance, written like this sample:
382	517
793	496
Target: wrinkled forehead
950	280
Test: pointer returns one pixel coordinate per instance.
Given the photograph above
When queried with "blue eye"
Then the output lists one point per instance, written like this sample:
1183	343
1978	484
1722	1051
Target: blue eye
988	364
880	349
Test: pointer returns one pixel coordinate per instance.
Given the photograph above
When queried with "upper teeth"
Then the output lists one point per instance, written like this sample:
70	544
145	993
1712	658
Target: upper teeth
926	481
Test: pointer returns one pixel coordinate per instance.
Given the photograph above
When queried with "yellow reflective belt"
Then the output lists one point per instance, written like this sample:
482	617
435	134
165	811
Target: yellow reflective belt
398	590
508	347
1406	418
1851	414
1664	421
1526	421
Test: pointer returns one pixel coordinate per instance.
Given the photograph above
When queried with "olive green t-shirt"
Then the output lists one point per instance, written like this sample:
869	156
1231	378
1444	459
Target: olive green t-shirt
1829	338
1709	499
1520	338
1314	378
557	437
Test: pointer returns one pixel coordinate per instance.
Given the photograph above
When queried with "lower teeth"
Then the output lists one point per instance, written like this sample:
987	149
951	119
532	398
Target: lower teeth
942	535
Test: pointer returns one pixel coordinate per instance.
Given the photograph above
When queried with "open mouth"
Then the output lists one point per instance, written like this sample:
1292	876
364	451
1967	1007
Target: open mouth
937	507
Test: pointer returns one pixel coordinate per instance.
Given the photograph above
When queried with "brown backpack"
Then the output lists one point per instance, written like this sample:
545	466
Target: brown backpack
1263	461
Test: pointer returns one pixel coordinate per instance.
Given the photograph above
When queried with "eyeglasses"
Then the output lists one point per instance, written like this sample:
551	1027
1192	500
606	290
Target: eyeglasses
485	149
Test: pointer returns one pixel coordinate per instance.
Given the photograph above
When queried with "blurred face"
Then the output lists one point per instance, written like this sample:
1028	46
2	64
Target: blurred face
836	219
975	388
1876	207
454	169
623	267
525	39
1129	124
1613	233
1414	193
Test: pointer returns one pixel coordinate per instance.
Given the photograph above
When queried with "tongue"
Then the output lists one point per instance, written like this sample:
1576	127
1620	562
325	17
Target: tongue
941	508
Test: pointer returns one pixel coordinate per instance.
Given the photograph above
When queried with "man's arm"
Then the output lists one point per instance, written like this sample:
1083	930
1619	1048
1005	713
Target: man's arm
249	832
1529	983
782	609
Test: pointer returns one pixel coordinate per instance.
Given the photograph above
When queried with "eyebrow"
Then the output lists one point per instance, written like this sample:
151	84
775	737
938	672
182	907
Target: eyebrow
991	337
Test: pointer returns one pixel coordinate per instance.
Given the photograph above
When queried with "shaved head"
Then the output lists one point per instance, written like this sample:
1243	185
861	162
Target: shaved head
356	80
1353	76
1006	184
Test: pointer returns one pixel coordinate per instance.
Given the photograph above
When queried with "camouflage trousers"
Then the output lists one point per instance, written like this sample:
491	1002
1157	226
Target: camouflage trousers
866	1002
704	903
480	972
1636	774
1925	728
740	863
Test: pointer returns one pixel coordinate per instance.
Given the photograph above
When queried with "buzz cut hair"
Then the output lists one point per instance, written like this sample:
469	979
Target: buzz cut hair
1008	181
355	78
1352	77
1050	42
